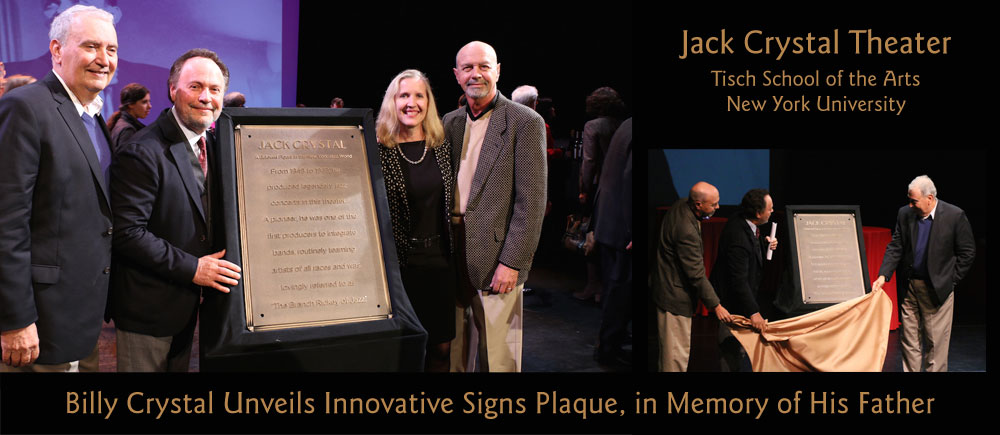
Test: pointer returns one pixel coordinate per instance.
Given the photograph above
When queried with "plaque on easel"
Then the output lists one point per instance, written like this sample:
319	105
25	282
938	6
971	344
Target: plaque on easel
312	252
305	215
827	256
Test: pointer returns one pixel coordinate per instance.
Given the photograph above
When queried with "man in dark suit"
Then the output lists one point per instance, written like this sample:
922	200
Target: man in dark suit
493	139
163	208
934	242
679	279
737	271
613	233
55	224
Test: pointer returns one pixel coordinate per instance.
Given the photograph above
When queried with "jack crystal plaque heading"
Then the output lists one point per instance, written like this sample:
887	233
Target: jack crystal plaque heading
312	254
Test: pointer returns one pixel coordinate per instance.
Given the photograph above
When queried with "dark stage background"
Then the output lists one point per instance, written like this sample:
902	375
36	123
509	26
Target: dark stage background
352	50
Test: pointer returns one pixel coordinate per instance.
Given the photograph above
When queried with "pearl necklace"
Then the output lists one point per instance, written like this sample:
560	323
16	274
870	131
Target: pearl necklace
399	148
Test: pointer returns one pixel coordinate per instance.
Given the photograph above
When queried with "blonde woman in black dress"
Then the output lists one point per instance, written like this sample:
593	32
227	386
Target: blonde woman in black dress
418	179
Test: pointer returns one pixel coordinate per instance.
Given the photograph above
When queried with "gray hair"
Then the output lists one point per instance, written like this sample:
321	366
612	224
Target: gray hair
526	95
924	184
60	25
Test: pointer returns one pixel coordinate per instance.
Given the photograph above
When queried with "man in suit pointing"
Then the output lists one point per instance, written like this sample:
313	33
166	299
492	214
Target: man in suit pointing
55	224
934	242
493	139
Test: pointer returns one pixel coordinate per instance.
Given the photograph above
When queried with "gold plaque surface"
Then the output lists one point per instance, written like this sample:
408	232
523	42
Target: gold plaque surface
829	257
312	253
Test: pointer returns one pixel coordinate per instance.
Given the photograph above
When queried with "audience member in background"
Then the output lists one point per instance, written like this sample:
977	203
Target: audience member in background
605	104
613	231
234	99
16	81
135	105
528	96
337	103
416	162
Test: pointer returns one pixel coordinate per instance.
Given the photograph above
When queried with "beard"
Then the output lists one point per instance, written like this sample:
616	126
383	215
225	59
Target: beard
195	122
477	93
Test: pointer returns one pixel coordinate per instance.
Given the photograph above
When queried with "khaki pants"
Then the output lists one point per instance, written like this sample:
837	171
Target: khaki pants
923	320
491	327
675	341
89	364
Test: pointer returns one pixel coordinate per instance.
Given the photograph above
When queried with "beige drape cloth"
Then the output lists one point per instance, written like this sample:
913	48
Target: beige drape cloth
851	336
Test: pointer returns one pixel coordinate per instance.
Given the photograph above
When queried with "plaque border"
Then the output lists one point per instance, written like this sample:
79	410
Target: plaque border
797	304
225	342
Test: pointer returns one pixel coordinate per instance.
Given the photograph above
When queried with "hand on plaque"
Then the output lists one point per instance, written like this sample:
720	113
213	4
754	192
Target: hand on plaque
215	272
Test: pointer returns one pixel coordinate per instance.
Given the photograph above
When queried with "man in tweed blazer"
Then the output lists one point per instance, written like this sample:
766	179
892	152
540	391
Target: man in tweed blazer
499	152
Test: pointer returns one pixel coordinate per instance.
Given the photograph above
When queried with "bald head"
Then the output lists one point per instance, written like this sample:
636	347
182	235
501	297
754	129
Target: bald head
702	190
476	47
477	71
704	199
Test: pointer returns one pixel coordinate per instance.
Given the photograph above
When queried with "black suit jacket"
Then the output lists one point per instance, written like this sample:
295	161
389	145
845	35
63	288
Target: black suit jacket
737	272
161	229
613	213
55	222
950	247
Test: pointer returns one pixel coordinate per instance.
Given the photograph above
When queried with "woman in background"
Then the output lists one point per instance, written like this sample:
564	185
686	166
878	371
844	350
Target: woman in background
125	122
416	164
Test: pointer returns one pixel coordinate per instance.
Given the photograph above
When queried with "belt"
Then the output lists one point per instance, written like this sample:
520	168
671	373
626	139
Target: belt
457	218
424	242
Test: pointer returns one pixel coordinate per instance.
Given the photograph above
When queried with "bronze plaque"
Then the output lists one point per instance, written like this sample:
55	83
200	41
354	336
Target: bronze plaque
830	267
312	254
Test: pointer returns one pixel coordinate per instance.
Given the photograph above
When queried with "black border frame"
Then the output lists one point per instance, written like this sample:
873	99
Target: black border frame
392	344
797	306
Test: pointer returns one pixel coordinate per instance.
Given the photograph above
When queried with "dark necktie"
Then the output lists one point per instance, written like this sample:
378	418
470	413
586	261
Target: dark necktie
920	257
100	145
202	158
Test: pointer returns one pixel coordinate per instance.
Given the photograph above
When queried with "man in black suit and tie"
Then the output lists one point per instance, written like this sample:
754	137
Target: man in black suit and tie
163	207
737	272
55	215
934	241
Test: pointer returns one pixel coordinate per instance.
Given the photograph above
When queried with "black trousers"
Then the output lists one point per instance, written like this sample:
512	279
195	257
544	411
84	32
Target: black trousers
616	298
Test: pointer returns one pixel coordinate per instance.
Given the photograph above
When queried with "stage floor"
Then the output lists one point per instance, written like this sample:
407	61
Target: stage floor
559	335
